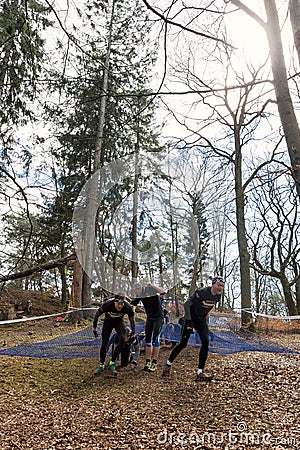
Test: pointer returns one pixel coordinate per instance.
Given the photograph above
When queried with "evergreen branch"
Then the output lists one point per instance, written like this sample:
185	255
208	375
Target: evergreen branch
27	210
70	37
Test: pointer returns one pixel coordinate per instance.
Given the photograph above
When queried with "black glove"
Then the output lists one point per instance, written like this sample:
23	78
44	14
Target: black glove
95	333
132	340
189	325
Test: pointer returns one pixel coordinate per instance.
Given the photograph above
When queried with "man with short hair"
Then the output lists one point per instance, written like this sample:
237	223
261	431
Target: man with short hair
150	297
114	309
196	310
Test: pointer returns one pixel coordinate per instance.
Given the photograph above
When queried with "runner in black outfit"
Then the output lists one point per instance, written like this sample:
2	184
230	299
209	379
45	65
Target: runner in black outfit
196	309
115	309
150	296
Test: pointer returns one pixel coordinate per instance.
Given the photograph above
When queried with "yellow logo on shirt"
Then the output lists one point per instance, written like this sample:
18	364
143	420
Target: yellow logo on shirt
208	303
115	314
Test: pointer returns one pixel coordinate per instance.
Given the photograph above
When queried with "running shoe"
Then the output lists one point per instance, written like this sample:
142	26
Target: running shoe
203	377
99	370
134	363
147	366
166	371
152	367
112	368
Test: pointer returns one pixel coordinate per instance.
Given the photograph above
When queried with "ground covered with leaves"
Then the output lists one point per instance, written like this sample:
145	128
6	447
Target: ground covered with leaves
253	402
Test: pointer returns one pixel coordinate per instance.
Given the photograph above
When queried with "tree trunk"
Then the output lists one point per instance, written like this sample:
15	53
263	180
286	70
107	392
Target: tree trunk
160	265
256	294
76	295
174	249
288	296
193	286
195	236
134	252
64	287
294	8
244	256
298	296
89	233
284	102
297	287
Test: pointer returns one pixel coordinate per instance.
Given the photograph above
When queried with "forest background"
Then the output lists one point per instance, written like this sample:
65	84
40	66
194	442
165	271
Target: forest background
182	118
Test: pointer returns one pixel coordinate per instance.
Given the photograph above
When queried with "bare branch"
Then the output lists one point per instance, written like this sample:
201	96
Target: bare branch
248	11
179	25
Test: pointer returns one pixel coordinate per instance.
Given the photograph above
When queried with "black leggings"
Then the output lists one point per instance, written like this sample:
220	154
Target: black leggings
108	326
152	330
125	352
202	329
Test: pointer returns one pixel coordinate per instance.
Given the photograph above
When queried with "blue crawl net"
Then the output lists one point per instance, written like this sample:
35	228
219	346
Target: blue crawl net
82	344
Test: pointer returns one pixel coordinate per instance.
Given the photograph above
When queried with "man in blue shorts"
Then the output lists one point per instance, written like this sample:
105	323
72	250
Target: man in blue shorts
150	297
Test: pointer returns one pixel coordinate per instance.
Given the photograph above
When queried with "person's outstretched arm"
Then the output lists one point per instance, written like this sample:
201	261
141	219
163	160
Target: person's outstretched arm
132	325
158	289
95	321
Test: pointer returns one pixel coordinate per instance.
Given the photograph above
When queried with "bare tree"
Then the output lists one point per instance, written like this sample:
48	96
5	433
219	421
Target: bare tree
202	187
275	231
283	96
240	114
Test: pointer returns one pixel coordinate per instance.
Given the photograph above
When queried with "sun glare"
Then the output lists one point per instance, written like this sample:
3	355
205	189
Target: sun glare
249	38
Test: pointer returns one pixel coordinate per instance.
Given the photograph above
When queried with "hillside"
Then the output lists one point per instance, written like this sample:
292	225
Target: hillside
16	303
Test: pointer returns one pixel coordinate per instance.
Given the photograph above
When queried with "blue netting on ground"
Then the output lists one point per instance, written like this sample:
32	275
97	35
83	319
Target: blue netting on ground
82	344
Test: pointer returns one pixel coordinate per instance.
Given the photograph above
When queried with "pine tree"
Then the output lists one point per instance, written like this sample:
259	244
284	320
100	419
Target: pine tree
22	52
129	111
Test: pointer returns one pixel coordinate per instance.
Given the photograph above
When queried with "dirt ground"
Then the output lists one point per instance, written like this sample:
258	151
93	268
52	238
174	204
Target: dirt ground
252	403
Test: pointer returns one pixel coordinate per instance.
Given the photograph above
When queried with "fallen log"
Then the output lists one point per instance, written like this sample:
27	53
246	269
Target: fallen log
39	268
